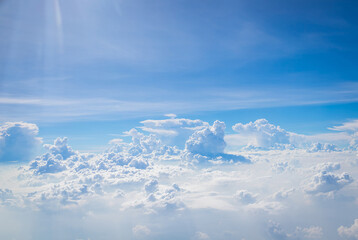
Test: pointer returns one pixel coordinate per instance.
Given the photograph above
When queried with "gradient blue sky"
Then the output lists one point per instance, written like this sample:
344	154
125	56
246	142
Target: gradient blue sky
91	69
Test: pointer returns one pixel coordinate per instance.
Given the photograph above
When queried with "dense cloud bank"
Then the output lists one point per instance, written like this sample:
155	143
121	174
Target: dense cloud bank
148	188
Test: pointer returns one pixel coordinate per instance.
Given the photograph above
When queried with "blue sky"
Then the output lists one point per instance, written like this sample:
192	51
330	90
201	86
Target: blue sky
93	61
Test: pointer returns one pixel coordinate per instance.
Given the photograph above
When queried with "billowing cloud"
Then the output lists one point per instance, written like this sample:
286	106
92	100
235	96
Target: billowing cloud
276	232
209	140
259	134
312	232
325	182
174	131
145	189
316	147
245	197
349	232
18	141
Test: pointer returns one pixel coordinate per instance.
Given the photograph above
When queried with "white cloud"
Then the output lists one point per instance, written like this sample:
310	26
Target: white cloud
327	167
316	147
325	182
349	232
260	134
167	190
140	230
174	130
263	135
312	232
209	140
245	197
351	126
151	186
18	141
60	147
276	232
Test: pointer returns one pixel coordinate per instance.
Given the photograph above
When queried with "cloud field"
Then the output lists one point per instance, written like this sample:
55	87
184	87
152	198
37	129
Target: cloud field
182	179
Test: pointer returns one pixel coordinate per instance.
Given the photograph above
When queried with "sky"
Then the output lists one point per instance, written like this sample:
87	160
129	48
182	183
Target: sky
130	113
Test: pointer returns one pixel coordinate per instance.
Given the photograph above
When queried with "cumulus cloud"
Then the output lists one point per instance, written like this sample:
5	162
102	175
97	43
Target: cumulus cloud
327	167
325	182
328	147
164	189
276	232
209	140
245	197
60	147
259	134
18	141
312	232
349	232
151	186
173	131
140	230
208	145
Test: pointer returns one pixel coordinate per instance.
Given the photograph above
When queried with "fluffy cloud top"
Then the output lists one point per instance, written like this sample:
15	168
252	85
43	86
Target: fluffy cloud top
209	140
276	232
245	197
325	182
159	190
262	134
18	141
316	147
349	232
174	130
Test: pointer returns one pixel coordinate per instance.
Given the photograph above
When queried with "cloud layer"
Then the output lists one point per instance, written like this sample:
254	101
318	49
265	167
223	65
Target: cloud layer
147	189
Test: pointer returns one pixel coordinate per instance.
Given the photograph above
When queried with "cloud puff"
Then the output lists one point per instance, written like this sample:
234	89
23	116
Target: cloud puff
208	145
174	130
60	147
276	232
209	140
325	182
328	147
140	230
59	158
327	167
245	197
312	232
156	186
260	134
151	186
18	141
349	232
